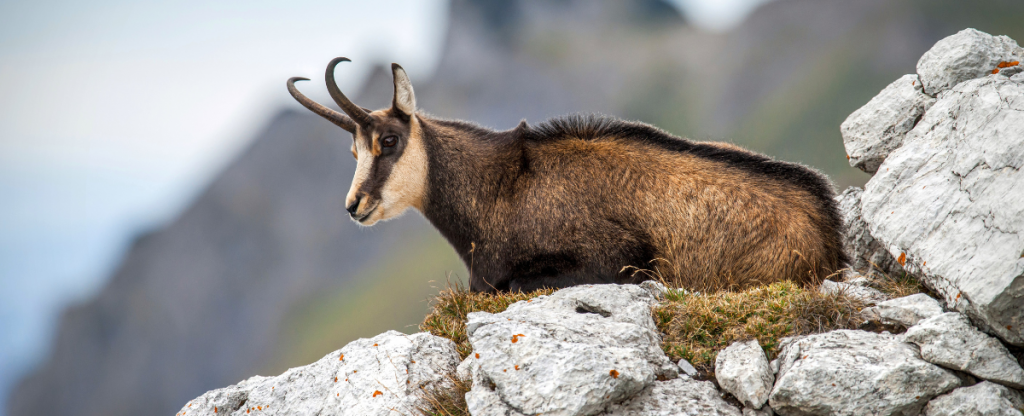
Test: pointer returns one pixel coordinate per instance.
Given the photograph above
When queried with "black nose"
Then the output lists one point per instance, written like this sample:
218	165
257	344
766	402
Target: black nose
355	205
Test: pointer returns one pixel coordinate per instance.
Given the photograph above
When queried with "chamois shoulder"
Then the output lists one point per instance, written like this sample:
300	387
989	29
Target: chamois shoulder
596	127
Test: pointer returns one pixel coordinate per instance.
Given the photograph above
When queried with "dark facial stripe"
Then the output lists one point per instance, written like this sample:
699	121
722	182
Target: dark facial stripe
381	167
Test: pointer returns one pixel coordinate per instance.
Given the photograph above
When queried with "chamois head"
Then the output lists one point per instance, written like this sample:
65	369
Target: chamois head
391	162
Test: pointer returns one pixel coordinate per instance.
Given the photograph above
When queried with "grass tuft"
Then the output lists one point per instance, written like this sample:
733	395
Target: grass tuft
446	400
697	326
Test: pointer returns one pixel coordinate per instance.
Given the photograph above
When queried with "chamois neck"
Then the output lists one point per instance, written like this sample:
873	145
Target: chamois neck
469	169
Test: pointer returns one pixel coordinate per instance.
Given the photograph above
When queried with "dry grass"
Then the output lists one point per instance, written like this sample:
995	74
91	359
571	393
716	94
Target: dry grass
697	326
896	286
449	308
449	400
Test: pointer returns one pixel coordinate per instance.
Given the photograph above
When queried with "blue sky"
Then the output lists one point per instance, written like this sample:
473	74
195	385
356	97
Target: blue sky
114	113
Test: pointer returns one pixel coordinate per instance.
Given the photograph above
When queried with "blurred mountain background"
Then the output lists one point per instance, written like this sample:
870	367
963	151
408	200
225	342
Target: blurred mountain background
264	271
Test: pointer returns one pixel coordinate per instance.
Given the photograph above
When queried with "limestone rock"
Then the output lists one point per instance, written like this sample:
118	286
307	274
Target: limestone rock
982	399
949	203
906	311
949	340
878	127
571	353
866	254
376	376
864	294
675	397
967	55
742	370
464	371
486	402
763	411
686	367
849	372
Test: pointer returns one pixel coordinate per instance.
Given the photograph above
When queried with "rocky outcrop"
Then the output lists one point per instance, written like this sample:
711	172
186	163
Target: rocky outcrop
853	373
949	340
382	376
948	202
742	370
982	399
572	353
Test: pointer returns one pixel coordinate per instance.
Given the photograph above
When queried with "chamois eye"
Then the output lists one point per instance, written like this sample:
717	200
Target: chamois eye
389	141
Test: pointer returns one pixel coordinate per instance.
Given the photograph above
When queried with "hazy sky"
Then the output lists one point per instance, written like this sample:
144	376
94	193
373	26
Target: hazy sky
113	113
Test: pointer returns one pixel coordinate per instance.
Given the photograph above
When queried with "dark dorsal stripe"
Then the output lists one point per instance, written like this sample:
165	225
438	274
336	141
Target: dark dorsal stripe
592	127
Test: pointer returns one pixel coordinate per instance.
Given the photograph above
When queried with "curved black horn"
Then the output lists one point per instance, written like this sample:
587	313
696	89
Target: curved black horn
335	117
356	112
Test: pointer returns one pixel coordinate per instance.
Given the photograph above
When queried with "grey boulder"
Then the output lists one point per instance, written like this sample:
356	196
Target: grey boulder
571	353
878	127
382	375
679	397
949	203
849	372
967	55
742	370
906	311
949	340
982	399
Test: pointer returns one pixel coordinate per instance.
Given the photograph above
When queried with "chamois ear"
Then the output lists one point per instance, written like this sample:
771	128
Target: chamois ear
405	100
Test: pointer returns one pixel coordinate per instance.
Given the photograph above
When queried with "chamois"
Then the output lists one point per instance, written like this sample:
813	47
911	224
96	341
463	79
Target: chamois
588	199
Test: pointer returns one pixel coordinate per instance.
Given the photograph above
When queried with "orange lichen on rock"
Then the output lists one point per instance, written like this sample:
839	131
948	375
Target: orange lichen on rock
995	71
374	345
1007	64
517	367
614	374
342	358
335	379
902	259
377	393
214	409
515	338
477	355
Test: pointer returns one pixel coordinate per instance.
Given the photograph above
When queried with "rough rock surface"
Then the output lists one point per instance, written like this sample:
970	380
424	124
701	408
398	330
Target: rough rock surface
967	55
573	352
686	367
878	127
866	254
376	376
850	372
863	293
682	397
742	369
982	399
949	202
949	340
906	311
